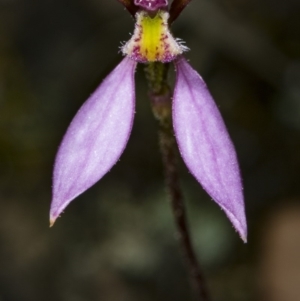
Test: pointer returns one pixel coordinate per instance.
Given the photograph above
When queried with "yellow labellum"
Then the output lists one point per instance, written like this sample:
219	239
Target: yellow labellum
152	40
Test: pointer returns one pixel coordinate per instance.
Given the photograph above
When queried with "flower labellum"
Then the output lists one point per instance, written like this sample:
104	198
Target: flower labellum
152	40
100	130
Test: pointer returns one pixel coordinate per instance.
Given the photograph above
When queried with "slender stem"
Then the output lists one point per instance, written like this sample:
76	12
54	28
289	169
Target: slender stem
161	105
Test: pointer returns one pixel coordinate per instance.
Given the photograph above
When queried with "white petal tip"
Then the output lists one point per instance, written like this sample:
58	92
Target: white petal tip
244	238
52	221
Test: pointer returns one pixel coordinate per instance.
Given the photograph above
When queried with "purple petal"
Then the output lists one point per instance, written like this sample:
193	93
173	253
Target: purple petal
95	138
205	145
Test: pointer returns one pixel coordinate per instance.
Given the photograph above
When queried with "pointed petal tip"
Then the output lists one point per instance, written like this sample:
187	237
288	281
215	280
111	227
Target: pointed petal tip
52	221
244	238
54	214
243	235
242	231
238	220
240	227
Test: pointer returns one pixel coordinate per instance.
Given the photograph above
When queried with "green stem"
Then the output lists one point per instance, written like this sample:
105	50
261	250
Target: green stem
160	96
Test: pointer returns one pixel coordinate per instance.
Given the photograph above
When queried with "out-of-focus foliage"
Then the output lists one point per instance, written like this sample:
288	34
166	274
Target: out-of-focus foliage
117	241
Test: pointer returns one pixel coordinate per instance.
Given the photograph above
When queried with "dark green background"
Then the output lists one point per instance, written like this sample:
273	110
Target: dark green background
117	241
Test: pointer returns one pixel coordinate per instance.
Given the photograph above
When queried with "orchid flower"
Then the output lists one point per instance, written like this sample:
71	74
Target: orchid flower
99	132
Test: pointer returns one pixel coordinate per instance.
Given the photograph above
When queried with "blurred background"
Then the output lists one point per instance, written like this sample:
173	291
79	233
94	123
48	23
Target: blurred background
117	241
